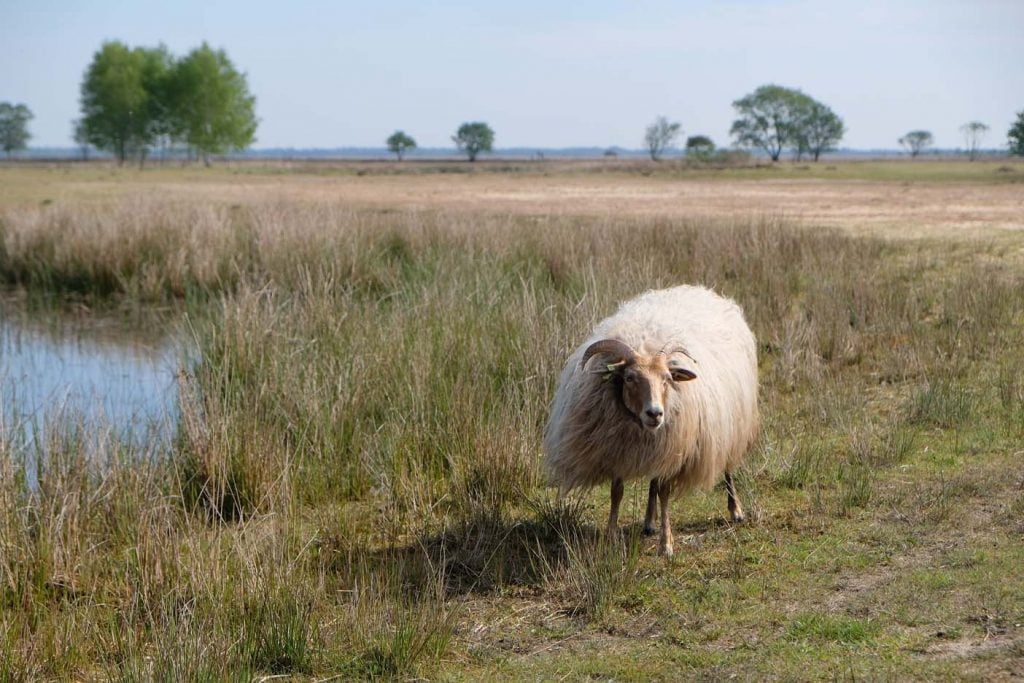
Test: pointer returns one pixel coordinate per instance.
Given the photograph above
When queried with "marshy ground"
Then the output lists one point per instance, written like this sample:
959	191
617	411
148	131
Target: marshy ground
354	488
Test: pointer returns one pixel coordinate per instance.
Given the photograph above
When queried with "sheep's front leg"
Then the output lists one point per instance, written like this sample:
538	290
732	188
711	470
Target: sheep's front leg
652	508
618	487
735	509
664	491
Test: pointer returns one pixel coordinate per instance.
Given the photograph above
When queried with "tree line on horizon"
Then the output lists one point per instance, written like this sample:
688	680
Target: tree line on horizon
135	101
774	118
771	119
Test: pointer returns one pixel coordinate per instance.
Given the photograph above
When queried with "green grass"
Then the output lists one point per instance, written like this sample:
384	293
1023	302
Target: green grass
823	629
355	487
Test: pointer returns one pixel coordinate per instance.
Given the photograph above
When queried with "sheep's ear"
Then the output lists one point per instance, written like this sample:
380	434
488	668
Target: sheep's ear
682	374
612	369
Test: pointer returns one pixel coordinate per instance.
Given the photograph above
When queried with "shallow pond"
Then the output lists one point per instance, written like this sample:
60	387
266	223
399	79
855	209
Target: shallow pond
101	371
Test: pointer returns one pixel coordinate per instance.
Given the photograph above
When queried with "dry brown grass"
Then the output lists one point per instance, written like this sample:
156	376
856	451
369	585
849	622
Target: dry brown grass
888	199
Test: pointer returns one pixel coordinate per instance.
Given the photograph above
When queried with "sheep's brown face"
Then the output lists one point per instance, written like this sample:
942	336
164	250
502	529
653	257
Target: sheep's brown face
644	381
645	386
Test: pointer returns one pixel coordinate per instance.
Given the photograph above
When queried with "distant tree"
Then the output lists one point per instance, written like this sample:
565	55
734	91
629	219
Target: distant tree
611	153
973	132
816	128
659	136
135	99
14	135
473	138
699	147
1016	135
398	143
164	123
916	141
114	101
211	103
81	137
155	122
769	120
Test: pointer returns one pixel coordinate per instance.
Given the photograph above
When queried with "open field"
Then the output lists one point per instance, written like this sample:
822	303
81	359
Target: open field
908	199
355	488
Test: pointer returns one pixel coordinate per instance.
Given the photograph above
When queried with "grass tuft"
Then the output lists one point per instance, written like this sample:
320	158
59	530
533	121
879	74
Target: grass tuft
825	628
943	403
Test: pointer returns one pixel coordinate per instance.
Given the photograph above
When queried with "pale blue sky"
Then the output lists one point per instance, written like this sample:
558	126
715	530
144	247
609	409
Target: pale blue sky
546	73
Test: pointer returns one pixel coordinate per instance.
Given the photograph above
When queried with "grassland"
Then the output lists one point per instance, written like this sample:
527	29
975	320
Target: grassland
903	199
355	490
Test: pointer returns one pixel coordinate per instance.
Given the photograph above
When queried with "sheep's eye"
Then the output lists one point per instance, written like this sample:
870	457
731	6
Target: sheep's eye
630	379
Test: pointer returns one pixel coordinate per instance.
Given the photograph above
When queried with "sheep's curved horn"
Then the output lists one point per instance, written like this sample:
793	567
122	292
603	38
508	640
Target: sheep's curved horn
612	346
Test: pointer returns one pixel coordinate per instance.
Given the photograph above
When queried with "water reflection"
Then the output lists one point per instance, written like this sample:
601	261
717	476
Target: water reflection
102	370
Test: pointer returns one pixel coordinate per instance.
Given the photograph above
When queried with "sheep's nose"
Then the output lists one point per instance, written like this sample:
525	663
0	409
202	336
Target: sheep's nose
654	412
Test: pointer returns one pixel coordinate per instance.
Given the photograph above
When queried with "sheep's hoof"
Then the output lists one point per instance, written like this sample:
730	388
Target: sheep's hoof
738	518
649	531
666	551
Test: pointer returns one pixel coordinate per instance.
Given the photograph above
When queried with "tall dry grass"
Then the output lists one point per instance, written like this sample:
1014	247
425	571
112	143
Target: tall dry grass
361	419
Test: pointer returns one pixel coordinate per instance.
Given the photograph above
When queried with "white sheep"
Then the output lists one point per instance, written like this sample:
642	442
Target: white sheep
666	389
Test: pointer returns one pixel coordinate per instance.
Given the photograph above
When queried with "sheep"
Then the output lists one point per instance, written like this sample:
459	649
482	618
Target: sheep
665	389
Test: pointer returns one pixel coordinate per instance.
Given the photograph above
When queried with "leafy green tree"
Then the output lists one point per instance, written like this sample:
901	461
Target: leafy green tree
699	147
126	107
768	119
399	143
164	126
816	129
1016	135
213	109
659	136
473	138
916	141
14	135
114	101
135	99
973	132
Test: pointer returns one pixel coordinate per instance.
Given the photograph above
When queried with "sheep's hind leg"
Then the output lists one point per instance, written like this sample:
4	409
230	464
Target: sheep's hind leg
652	508
664	491
735	509
618	487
